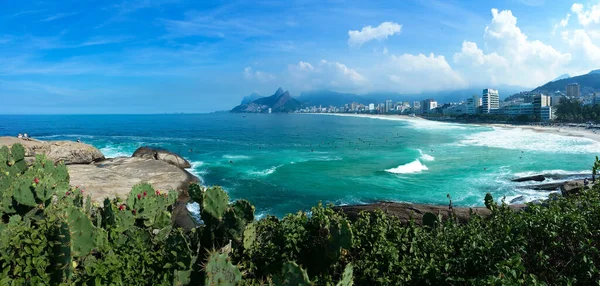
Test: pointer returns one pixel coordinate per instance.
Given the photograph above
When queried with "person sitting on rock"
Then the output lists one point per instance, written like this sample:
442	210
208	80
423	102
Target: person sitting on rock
20	136
25	136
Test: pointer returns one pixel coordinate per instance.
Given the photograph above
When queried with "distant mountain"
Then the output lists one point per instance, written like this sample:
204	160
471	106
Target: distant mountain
564	76
250	98
589	82
594	72
281	101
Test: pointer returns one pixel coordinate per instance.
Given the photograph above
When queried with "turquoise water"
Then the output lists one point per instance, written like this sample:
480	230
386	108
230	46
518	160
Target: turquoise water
287	162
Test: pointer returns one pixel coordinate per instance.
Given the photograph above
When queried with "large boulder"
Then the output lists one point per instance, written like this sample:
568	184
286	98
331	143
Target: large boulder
115	178
161	154
574	187
68	151
405	211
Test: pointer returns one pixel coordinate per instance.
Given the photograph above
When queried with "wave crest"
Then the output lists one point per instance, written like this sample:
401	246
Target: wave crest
425	157
409	168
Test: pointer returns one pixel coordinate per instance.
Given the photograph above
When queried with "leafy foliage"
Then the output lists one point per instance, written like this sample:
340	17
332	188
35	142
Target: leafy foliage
64	238
571	110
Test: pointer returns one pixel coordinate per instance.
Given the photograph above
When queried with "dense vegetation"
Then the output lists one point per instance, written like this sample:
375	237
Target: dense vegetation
50	235
570	110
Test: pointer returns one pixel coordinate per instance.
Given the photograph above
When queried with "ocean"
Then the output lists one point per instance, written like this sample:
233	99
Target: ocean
283	163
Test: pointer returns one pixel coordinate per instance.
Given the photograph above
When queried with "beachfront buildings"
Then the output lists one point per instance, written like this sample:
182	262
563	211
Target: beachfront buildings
490	100
472	105
540	101
428	105
573	90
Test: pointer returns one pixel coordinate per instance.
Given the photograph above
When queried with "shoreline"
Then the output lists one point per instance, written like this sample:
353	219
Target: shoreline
557	130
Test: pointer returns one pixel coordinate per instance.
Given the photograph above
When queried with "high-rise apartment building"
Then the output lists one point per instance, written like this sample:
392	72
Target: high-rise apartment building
490	100
428	105
472	105
540	101
573	90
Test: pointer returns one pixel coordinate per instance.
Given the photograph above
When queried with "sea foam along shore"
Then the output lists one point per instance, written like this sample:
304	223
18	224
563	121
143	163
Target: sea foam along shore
558	130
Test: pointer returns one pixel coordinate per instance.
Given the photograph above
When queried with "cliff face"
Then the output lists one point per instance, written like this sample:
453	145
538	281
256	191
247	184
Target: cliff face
281	101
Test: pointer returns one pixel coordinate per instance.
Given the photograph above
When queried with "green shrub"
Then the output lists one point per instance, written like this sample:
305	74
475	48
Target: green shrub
50	234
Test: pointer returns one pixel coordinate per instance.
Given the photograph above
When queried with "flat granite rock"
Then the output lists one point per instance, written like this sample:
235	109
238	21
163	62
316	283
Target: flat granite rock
115	177
68	151
406	211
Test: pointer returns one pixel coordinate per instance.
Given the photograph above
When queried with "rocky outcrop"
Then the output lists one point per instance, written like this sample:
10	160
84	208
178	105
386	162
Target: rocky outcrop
163	155
67	151
575	187
406	211
537	178
115	177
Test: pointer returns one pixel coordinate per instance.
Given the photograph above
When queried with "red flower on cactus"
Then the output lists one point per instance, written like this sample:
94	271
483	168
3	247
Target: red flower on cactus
36	180
68	193
133	211
157	192
122	207
76	187
145	194
139	196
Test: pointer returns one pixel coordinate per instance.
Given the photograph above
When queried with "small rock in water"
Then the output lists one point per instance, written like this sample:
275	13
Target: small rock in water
519	199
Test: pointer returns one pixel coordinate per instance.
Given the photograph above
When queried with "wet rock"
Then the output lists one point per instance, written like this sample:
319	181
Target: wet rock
537	178
163	155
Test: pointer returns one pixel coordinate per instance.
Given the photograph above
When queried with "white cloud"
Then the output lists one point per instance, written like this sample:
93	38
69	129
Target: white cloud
325	74
368	33
512	58
562	24
259	76
586	18
409	73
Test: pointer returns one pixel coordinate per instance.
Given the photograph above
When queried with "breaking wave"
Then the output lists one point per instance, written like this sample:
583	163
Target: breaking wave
412	167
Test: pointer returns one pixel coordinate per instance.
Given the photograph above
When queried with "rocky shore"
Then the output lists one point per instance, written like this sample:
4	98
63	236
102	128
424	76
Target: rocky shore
103	177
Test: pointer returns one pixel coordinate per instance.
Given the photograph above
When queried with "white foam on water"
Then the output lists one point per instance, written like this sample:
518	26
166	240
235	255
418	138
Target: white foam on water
412	167
264	172
194	210
550	172
425	157
528	140
115	151
236	157
418	122
196	171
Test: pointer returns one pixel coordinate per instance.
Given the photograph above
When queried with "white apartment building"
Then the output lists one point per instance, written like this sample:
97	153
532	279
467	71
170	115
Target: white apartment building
490	100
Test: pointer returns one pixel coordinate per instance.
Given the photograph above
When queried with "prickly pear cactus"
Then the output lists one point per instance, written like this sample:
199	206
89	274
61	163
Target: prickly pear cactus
430	220
340	237
249	236
347	276
214	203
292	274
220	271
76	238
150	205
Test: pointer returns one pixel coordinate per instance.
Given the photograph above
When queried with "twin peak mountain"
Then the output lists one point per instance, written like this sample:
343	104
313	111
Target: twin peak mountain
281	101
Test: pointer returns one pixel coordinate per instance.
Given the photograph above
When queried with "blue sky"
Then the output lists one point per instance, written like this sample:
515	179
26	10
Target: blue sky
201	56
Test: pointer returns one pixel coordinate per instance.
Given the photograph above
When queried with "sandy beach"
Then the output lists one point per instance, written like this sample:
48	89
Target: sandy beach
558	130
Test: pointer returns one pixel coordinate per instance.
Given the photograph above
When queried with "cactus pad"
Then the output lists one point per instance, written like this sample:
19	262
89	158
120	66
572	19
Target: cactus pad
429	220
292	274
220	271
215	201
347	276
